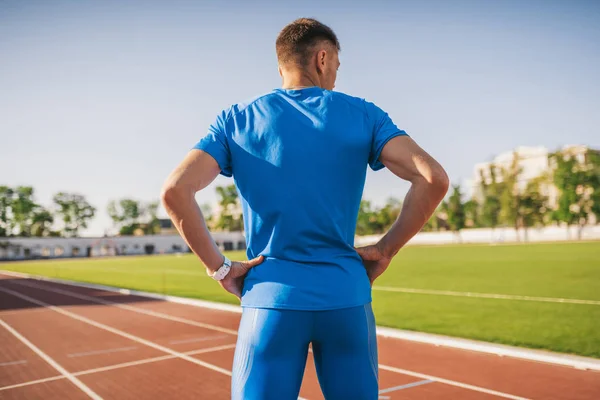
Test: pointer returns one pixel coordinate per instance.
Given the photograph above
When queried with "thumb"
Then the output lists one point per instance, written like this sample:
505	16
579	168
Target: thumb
365	253
254	262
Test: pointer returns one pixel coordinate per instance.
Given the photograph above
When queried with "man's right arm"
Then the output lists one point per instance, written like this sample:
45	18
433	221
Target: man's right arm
429	184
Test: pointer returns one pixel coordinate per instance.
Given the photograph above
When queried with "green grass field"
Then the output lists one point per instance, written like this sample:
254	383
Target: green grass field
567	270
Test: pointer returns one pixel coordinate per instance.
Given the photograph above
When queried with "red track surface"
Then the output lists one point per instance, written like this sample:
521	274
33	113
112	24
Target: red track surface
68	342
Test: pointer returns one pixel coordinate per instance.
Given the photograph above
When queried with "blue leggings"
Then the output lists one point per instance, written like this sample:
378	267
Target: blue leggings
272	346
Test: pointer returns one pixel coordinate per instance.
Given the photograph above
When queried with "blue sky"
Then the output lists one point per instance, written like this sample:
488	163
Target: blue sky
105	97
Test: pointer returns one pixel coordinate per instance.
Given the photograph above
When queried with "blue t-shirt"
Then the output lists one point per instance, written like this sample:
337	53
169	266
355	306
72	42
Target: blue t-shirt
299	160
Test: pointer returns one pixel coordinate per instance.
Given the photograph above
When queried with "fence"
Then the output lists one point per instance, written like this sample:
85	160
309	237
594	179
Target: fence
498	235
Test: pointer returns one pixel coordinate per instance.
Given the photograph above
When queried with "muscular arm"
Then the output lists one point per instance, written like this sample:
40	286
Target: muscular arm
429	184
194	173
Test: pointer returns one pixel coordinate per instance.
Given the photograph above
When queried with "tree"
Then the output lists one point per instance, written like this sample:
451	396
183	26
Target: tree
388	214
363	221
42	223
206	210
593	181
6	199
454	210
472	214
577	183
229	217
490	208
22	208
125	215
509	195
532	206
75	211
152	227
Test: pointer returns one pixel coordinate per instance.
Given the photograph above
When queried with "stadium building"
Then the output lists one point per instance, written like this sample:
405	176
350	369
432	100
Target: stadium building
19	248
534	162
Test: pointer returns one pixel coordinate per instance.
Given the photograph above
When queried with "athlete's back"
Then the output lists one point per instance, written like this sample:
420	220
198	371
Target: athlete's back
299	160
299	157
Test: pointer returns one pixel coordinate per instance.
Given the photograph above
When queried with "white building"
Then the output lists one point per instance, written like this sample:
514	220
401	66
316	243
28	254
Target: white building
533	161
51	247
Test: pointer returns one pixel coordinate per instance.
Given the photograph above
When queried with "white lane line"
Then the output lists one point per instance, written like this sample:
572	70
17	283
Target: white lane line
122	271
118	366
451	383
408	385
19	362
93	353
153	359
130	308
118	332
195	340
53	363
29	383
486	295
578	362
182	320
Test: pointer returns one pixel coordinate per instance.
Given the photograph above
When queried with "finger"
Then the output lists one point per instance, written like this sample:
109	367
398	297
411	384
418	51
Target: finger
254	262
366	253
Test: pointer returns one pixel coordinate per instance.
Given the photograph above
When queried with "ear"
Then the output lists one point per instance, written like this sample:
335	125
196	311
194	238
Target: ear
280	72
321	57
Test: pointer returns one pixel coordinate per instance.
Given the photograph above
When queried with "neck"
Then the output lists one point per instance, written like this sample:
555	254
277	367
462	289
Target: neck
298	79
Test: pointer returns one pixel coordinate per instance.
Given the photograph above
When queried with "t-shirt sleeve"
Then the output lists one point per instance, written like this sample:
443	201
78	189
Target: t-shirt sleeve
215	143
383	129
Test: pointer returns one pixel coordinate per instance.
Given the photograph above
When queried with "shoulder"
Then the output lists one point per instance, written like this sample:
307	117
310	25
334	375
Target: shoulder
368	108
239	108
353	101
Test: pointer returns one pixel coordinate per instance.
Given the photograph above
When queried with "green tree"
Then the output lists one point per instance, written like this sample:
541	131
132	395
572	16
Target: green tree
152	227
364	220
593	181
455	211
23	207
207	212
229	218
472	214
42	221
387	215
577	183
75	212
490	208
372	220
126	215
509	195
6	199
532	207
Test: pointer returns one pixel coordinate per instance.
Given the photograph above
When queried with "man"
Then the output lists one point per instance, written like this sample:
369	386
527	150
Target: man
298	156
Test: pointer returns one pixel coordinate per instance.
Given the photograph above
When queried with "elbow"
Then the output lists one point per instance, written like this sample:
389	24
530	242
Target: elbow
437	183
167	195
440	181
171	195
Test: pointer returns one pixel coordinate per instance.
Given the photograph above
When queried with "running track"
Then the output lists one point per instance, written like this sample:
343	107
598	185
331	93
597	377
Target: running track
68	342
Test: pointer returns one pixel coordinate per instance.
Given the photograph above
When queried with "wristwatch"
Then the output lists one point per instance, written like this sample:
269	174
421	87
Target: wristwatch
223	270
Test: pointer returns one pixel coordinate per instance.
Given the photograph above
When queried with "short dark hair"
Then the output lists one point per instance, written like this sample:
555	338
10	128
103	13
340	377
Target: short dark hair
297	39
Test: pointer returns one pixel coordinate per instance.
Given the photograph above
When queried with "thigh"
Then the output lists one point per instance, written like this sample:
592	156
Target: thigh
345	350
270	354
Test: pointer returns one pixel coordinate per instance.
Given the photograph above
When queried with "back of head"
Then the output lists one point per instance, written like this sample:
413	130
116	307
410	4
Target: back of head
308	48
297	40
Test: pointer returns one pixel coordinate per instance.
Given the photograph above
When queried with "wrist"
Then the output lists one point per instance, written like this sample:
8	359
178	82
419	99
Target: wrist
385	249
222	271
214	263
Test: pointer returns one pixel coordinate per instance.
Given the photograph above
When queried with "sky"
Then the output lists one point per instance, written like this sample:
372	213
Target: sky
104	98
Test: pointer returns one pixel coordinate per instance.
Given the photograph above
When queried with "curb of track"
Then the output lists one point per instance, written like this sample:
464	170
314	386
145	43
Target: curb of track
543	356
